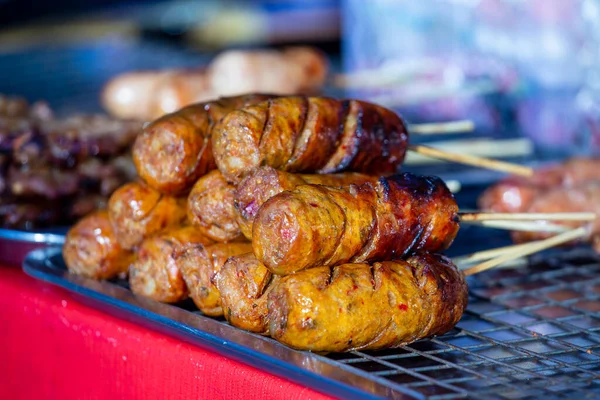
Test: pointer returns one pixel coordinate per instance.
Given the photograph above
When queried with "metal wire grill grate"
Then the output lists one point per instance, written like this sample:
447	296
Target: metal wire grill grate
528	333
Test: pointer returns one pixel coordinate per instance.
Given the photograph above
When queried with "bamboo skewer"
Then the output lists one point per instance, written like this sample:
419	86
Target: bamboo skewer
473	160
559	216
488	254
531	248
524	226
436	128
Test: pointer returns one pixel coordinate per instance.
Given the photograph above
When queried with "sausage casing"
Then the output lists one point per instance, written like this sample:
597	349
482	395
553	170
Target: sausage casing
156	271
309	134
174	151
358	306
582	198
244	284
516	193
210	208
265	182
137	211
198	265
321	225
92	249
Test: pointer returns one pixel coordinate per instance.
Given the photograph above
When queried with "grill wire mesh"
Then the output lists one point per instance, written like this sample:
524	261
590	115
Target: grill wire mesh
528	333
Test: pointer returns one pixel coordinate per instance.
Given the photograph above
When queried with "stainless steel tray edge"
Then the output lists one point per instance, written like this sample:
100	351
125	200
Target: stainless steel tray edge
15	244
304	368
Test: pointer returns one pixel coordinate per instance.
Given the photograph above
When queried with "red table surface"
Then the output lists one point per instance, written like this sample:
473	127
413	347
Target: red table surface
53	347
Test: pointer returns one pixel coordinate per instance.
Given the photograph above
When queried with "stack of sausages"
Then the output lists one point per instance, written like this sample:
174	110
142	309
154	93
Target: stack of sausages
283	214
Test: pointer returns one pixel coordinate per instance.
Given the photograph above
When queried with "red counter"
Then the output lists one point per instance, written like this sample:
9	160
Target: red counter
53	347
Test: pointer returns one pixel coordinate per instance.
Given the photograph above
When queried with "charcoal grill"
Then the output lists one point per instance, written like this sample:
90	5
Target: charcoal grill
531	332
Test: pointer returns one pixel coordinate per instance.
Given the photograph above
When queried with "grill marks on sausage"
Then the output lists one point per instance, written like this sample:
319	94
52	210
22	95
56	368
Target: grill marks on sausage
413	299
313	134
187	136
365	223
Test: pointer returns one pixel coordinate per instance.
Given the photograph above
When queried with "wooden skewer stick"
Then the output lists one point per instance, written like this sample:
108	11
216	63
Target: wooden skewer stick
472	160
524	226
488	254
442	127
561	216
532	247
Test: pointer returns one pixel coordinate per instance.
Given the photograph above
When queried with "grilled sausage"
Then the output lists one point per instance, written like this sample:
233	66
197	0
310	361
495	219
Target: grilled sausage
515	194
244	284
582	198
210	208
146	95
156	272
321	225
360	307
265	182
198	264
174	151
91	248
136	211
309	134
291	71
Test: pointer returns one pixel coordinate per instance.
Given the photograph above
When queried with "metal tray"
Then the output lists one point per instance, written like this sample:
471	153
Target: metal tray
532	332
15	244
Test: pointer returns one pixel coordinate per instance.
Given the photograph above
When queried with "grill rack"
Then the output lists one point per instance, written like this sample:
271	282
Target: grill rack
530	332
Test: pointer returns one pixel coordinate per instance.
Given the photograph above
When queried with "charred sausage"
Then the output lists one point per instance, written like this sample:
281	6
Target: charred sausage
309	134
198	265
244	284
210	208
321	225
361	306
265	182
156	272
136	211
174	151
92	249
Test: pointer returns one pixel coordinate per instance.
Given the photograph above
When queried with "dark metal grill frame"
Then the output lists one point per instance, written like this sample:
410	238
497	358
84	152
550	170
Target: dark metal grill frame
529	332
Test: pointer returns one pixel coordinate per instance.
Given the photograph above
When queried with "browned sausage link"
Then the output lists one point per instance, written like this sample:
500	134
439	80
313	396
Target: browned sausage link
174	151
244	284
309	134
210	208
322	225
199	264
91	248
265	182
584	197
137	211
516	193
358	306
156	272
